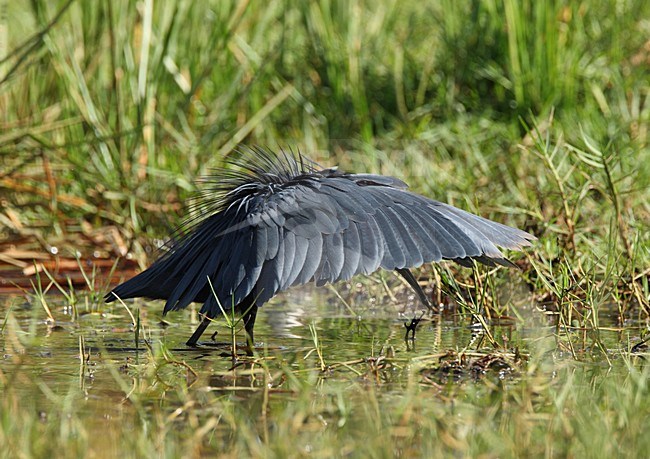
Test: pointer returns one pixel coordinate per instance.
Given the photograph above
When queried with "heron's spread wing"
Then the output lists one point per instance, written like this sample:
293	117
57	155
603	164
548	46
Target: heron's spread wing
320	227
335	227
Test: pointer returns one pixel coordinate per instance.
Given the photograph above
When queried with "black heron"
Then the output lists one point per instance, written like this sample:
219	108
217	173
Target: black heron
271	221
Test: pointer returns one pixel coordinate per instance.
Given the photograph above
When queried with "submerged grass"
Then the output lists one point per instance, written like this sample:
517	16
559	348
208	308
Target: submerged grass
309	399
534	114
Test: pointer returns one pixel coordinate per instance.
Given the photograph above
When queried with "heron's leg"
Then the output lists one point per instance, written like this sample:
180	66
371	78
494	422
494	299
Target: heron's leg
411	327
412	281
207	318
249	323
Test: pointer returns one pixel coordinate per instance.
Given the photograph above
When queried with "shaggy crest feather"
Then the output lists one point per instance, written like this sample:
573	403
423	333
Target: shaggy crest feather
255	170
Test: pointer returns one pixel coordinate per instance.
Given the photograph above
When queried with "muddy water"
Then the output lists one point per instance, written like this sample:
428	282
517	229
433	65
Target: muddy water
85	365
345	333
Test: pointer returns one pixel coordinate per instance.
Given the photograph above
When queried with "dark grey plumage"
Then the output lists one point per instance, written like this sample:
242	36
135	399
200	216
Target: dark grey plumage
273	221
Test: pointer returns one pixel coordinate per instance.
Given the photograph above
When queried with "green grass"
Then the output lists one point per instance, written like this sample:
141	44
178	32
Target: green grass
535	114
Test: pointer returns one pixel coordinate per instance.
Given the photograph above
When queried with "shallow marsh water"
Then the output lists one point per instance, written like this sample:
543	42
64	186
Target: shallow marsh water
327	380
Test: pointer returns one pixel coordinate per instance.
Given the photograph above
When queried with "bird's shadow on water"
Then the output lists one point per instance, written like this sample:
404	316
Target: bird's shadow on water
224	349
203	349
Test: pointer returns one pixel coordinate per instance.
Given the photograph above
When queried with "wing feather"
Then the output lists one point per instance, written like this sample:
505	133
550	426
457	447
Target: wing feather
267	283
302	247
351	252
372	246
429	251
502	235
289	259
272	240
332	259
393	246
408	236
312	260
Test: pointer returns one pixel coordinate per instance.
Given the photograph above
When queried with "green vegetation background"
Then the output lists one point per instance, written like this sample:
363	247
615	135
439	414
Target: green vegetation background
528	108
536	114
